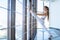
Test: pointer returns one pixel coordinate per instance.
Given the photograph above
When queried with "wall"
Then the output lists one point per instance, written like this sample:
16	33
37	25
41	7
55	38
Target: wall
55	14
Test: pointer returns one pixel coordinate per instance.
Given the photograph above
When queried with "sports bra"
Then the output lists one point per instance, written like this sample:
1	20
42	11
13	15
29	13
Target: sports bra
43	18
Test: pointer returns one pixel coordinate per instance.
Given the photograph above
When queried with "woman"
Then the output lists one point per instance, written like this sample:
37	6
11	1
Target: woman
45	13
45	16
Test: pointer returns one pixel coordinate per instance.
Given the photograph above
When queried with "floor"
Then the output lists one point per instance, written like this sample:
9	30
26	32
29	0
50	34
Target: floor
45	35
41	35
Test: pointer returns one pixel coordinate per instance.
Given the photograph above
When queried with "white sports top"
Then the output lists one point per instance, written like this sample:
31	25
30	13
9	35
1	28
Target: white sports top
43	17
45	21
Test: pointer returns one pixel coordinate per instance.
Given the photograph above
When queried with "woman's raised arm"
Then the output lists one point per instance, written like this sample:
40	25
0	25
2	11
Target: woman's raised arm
44	14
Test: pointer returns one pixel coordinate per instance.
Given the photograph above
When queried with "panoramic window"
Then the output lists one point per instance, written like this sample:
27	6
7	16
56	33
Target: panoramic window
19	14
3	19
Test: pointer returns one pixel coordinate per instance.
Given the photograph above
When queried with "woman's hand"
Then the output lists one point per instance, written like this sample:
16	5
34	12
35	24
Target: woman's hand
30	11
28	8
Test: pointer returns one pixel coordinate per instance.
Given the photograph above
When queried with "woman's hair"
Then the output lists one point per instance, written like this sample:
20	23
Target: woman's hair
48	10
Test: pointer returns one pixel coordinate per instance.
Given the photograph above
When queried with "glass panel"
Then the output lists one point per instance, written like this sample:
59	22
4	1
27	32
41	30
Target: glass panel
28	19
19	5
3	19
39	6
